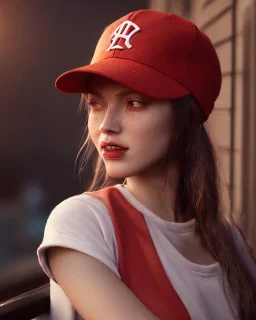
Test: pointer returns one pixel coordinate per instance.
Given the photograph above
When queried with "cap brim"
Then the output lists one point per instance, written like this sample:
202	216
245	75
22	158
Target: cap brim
131	74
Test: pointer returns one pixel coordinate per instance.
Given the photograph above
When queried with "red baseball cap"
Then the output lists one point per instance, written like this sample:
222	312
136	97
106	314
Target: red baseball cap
160	55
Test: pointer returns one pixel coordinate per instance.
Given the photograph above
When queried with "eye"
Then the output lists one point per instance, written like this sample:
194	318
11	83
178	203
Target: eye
94	105
137	104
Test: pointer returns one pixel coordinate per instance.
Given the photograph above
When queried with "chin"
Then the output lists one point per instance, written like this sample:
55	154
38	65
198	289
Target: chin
116	176
124	169
123	172
117	173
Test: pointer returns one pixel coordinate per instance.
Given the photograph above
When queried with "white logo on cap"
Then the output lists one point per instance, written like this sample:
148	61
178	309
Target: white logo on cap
120	32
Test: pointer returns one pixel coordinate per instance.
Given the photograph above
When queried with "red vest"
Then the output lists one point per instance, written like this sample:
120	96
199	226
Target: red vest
139	265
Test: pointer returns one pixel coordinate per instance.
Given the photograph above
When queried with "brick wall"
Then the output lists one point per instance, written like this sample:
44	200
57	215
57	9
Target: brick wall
215	18
231	25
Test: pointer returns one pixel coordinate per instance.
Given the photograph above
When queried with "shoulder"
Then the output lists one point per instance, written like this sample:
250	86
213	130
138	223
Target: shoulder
244	249
77	211
81	223
79	205
238	235
81	217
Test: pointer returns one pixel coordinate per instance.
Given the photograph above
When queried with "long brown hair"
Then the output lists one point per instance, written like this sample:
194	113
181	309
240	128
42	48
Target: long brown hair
198	196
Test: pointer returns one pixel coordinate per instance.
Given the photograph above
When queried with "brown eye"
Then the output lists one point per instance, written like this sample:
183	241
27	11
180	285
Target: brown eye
94	105
136	104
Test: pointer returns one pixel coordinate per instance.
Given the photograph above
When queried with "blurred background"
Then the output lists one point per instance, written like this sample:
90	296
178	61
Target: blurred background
41	130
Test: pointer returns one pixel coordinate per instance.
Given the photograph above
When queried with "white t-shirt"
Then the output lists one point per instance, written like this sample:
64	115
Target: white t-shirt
83	223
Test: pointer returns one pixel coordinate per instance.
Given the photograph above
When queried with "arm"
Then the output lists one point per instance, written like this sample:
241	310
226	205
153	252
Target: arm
93	289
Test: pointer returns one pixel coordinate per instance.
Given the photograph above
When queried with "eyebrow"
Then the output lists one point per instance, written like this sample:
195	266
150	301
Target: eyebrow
125	92
121	93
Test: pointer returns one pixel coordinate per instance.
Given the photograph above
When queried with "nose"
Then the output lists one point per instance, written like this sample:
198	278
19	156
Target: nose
110	123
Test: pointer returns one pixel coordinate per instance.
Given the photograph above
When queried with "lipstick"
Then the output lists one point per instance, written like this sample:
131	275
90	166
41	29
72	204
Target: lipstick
114	154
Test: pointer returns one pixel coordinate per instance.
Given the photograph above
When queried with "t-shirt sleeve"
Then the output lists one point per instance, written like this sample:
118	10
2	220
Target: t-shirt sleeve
244	250
81	223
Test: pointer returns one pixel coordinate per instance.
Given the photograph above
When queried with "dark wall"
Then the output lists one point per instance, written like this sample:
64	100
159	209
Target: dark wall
40	129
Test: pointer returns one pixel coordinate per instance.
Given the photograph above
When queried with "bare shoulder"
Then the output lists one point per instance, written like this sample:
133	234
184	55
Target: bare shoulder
93	289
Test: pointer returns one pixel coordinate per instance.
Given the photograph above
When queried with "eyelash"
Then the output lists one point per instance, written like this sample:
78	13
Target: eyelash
91	104
142	104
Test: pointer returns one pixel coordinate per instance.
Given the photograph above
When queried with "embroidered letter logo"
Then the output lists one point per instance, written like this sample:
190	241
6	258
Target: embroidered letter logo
121	32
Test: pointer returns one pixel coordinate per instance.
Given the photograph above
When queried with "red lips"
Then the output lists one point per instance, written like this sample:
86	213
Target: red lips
111	143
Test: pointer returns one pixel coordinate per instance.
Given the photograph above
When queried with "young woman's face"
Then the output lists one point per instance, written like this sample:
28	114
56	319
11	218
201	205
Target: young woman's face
126	118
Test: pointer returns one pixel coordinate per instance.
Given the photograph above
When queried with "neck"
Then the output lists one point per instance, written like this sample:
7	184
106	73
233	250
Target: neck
149	191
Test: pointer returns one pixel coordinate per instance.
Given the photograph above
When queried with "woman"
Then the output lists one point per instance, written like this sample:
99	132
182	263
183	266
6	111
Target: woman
157	246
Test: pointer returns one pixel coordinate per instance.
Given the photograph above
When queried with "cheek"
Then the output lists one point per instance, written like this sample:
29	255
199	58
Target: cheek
93	134
155	133
93	128
151	142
